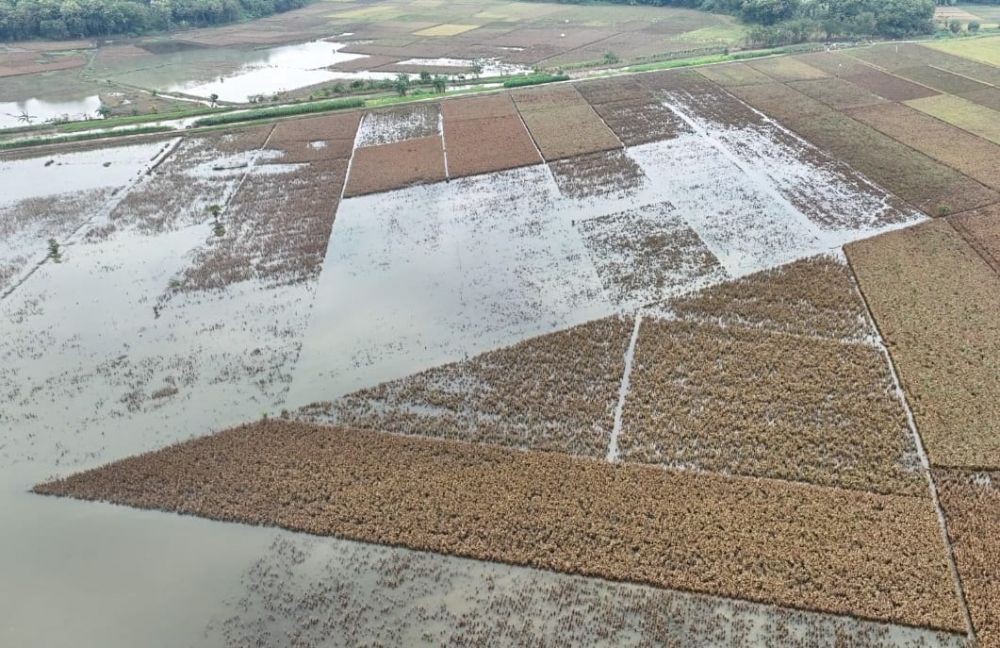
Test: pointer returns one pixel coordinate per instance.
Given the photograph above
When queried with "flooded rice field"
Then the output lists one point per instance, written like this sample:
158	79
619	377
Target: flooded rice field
197	283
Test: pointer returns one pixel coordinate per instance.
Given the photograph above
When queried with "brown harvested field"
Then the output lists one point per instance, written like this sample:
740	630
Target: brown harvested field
602	91
19	63
786	68
872	556
918	179
936	302
484	145
555	392
563	124
974	156
394	166
981	229
971	503
814	297
485	107
837	93
733	74
276	229
609	173
889	86
330	137
484	134
834	63
941	80
753	402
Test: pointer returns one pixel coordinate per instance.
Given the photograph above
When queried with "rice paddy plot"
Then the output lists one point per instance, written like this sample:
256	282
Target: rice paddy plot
985	50
873	556
400	123
935	301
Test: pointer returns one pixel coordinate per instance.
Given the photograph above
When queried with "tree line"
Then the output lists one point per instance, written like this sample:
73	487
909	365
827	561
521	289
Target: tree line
62	19
800	20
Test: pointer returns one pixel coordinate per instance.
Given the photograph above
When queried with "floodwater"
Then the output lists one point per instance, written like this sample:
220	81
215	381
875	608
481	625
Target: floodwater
274	70
91	372
36	111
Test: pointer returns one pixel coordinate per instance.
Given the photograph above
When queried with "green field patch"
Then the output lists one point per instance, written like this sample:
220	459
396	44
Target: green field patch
734	74
963	113
787	69
984	50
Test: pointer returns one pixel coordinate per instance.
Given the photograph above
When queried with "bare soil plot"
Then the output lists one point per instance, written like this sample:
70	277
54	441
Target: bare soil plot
733	74
401	123
872	556
332	592
813	297
640	122
647	254
935	301
605	174
563	124
601	91
555	392
484	144
971	503
958	65
837	93
967	115
21	63
785	68
275	229
834	63
941	80
959	149
329	137
891	56
889	86
981	228
922	181
393	166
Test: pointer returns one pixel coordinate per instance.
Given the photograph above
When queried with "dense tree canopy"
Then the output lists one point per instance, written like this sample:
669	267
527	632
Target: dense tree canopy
58	19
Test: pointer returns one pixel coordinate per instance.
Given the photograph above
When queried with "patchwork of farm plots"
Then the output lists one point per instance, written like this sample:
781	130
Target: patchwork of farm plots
588	332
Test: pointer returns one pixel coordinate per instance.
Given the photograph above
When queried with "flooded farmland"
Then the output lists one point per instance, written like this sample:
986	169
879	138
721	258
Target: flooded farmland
543	314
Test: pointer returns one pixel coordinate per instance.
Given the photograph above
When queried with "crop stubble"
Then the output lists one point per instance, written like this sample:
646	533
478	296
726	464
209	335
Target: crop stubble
562	123
936	302
485	134
971	503
554	392
770	376
394	166
631	112
872	556
981	229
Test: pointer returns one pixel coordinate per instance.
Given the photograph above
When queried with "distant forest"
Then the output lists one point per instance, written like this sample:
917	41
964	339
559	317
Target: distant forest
784	21
61	19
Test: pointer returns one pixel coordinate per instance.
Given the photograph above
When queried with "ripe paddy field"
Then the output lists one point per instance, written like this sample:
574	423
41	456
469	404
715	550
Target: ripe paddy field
696	357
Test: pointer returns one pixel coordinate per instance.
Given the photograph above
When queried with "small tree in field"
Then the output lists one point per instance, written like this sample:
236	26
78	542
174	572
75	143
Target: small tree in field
401	85
610	58
954	26
477	67
440	83
425	76
973	26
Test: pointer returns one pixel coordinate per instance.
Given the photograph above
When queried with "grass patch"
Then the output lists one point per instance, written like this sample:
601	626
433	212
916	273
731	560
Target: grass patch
82	137
281	111
963	113
127	120
984	50
534	79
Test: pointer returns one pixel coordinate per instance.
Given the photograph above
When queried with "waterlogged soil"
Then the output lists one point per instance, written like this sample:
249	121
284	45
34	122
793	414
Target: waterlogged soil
324	592
555	392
